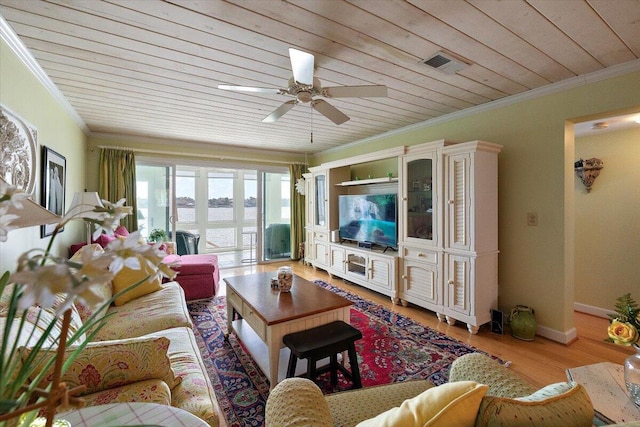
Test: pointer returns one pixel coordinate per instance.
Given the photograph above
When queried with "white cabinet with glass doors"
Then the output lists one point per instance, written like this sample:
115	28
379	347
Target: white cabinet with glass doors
322	203
452	268
421	228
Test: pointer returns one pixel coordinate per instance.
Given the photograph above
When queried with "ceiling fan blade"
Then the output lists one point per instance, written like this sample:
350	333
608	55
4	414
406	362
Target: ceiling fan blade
302	66
329	111
355	91
280	111
250	89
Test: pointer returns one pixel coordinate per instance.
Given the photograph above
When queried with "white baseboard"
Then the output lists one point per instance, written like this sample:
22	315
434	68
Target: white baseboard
589	309
571	335
566	337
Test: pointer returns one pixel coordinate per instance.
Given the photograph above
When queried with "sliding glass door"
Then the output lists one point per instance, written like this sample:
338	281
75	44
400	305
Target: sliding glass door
241	214
155	199
276	216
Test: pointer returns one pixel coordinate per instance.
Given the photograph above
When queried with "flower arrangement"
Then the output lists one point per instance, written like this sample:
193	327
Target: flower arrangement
625	324
44	281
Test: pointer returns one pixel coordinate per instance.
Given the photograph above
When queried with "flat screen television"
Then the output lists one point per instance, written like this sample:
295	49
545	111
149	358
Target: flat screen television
369	218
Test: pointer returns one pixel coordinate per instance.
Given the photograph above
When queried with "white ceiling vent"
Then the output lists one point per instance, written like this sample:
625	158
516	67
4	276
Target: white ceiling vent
445	62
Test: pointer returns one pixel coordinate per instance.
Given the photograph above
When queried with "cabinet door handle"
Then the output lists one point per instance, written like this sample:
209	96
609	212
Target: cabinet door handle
451	282
420	254
451	202
404	276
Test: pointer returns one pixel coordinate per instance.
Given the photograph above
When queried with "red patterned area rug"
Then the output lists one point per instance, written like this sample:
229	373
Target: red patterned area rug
393	348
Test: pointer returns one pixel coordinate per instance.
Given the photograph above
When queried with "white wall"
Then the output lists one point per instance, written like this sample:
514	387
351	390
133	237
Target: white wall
607	222
23	94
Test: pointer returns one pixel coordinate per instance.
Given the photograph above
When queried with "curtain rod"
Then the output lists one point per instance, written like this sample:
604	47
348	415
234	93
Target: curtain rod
210	156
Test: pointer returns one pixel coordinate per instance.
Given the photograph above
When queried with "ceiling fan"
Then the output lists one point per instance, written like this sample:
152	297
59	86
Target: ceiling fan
304	87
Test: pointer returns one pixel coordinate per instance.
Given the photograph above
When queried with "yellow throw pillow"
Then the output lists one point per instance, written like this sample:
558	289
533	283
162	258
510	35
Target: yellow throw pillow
107	364
128	277
448	405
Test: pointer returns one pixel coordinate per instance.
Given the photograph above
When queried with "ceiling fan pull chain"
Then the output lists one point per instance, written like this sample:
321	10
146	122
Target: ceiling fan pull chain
311	108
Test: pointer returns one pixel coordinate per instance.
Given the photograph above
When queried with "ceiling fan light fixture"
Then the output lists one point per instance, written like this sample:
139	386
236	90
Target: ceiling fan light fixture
600	125
304	97
304	86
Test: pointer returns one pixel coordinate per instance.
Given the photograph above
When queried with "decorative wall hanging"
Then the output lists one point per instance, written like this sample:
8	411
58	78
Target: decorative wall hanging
18	144
588	170
300	186
54	171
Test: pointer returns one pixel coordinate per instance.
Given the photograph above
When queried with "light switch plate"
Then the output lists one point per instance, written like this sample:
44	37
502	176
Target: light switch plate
532	219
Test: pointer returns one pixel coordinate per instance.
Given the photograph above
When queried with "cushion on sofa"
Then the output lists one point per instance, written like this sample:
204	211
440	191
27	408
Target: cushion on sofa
195	392
561	405
149	391
128	277
450	404
121	231
103	365
149	313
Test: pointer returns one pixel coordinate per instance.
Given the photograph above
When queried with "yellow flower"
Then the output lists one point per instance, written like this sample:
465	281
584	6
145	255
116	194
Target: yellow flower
622	333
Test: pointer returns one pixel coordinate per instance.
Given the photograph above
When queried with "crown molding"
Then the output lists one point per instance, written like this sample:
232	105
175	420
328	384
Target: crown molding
574	82
20	50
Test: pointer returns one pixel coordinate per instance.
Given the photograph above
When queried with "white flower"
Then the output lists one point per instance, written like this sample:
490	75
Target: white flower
5	227
130	253
113	213
42	284
11	195
93	271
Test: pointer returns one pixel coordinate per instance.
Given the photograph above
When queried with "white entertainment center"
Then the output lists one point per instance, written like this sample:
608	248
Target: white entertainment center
447	228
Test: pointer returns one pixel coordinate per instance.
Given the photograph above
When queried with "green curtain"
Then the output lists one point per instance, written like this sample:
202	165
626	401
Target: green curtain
297	211
117	180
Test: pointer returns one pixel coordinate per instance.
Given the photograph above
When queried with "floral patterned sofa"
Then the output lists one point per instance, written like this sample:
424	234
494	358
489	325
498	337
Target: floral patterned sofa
145	352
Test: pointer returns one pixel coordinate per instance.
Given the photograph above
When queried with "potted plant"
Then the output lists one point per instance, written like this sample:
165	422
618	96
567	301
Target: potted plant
157	235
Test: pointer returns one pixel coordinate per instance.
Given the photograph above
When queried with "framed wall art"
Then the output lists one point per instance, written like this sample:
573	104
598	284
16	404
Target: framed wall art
18	145
54	172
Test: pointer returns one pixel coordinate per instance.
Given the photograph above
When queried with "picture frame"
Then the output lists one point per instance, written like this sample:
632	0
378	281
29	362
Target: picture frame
54	173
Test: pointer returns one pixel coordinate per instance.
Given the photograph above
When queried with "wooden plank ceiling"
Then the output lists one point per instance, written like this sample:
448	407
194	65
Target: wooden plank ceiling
151	68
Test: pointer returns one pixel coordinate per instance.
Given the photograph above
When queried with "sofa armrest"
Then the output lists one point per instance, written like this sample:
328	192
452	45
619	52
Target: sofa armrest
297	402
480	368
510	398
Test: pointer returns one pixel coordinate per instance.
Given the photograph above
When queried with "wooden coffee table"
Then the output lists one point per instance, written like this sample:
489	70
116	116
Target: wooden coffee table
266	315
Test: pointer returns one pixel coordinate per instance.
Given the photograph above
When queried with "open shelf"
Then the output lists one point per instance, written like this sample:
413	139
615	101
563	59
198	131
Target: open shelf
367	181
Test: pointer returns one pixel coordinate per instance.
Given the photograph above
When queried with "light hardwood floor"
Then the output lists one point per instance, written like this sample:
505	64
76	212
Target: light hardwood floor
540	361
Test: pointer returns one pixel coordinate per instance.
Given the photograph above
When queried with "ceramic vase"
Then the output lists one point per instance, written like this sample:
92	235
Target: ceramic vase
285	279
522	323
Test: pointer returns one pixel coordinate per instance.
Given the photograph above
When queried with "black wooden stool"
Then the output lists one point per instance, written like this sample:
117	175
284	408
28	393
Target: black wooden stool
325	341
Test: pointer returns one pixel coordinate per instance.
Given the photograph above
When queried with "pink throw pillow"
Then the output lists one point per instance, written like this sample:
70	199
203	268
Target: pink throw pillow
104	240
121	231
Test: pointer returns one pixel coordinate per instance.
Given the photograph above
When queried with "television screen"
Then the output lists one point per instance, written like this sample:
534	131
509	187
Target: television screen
369	218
